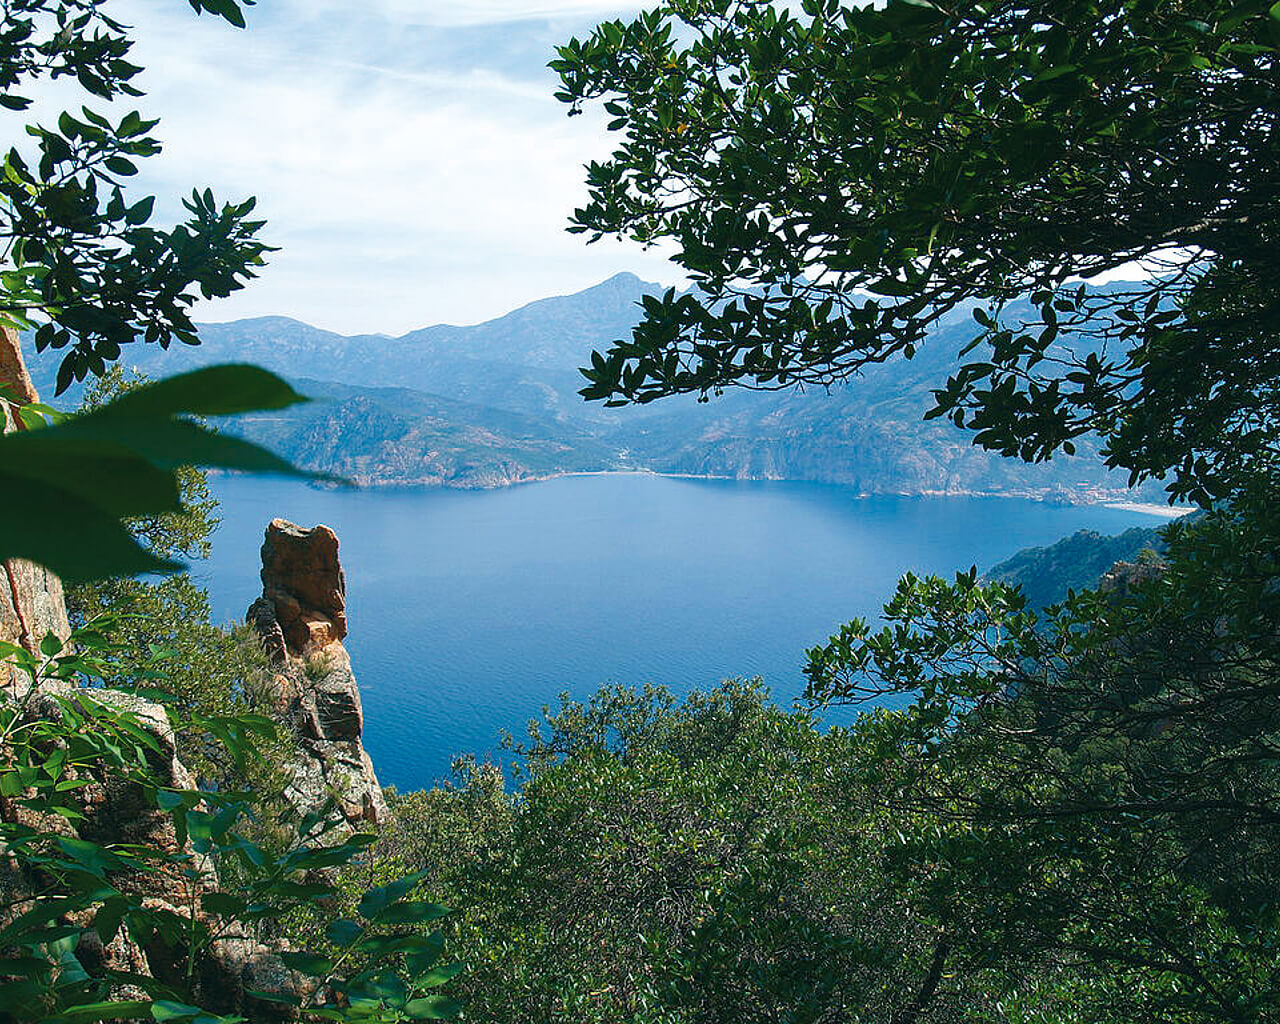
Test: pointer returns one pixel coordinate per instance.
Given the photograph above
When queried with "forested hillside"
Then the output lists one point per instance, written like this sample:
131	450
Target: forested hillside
1078	562
498	403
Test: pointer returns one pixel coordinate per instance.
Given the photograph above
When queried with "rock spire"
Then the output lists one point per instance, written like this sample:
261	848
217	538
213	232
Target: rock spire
301	618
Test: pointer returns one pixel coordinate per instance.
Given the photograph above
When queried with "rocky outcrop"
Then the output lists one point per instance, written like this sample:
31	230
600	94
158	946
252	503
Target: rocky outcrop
115	810
1123	577
14	377
301	618
31	600
31	606
303	581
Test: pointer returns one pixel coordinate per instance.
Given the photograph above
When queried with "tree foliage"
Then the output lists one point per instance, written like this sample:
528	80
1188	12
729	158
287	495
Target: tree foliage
700	860
1090	792
1113	762
836	178
83	267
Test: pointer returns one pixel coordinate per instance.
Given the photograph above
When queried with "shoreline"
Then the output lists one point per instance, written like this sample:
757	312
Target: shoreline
1051	496
1151	509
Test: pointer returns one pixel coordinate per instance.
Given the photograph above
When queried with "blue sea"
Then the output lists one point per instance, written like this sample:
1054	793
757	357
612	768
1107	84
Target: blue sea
471	610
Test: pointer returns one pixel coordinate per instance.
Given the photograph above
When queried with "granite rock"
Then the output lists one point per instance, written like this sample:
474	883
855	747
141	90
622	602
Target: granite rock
31	599
301	620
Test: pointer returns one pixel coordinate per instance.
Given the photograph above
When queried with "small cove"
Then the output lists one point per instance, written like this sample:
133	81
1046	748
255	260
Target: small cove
470	610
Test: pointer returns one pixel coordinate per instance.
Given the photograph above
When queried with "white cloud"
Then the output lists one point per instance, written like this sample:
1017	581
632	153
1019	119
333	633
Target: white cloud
482	12
411	176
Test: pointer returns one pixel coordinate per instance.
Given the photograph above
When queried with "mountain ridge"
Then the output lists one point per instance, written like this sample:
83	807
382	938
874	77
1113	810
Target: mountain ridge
497	403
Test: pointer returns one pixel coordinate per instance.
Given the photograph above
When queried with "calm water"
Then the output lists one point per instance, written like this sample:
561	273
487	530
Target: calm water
471	610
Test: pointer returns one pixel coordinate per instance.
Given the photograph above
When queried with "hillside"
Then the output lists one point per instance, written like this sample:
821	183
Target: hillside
497	403
397	436
1073	563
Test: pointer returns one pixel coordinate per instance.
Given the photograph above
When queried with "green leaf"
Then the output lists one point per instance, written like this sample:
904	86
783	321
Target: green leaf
95	859
375	901
891	286
222	390
8	650
438	976
343	932
1056	72
308	963
413	913
119	165
140	212
420	961
37	415
168	799
75	538
224	904
106	922
284	998
433	1008
113	1010
22	929
164	1010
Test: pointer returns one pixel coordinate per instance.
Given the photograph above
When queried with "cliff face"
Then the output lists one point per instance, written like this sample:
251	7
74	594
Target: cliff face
31	601
301	618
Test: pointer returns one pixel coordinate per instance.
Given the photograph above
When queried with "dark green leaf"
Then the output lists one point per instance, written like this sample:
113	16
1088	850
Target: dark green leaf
433	1008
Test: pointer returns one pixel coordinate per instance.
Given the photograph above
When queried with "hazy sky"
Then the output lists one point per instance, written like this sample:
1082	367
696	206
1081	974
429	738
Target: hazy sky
408	154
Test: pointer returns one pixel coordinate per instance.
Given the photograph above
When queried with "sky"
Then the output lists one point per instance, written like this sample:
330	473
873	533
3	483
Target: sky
408	155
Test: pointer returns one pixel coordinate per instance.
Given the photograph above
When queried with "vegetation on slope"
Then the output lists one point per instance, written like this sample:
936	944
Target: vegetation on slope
127	890
1045	575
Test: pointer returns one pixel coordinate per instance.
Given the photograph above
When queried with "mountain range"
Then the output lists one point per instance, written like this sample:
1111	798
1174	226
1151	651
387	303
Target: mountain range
497	403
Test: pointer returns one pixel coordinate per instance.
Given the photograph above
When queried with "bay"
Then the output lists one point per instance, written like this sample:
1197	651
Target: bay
471	610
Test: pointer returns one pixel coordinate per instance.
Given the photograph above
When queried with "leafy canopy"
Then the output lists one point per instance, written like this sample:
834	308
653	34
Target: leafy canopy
82	265
1093	789
836	179
79	477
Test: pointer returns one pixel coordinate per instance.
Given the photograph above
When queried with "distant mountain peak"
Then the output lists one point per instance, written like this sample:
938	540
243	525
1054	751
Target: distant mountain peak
624	287
623	280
